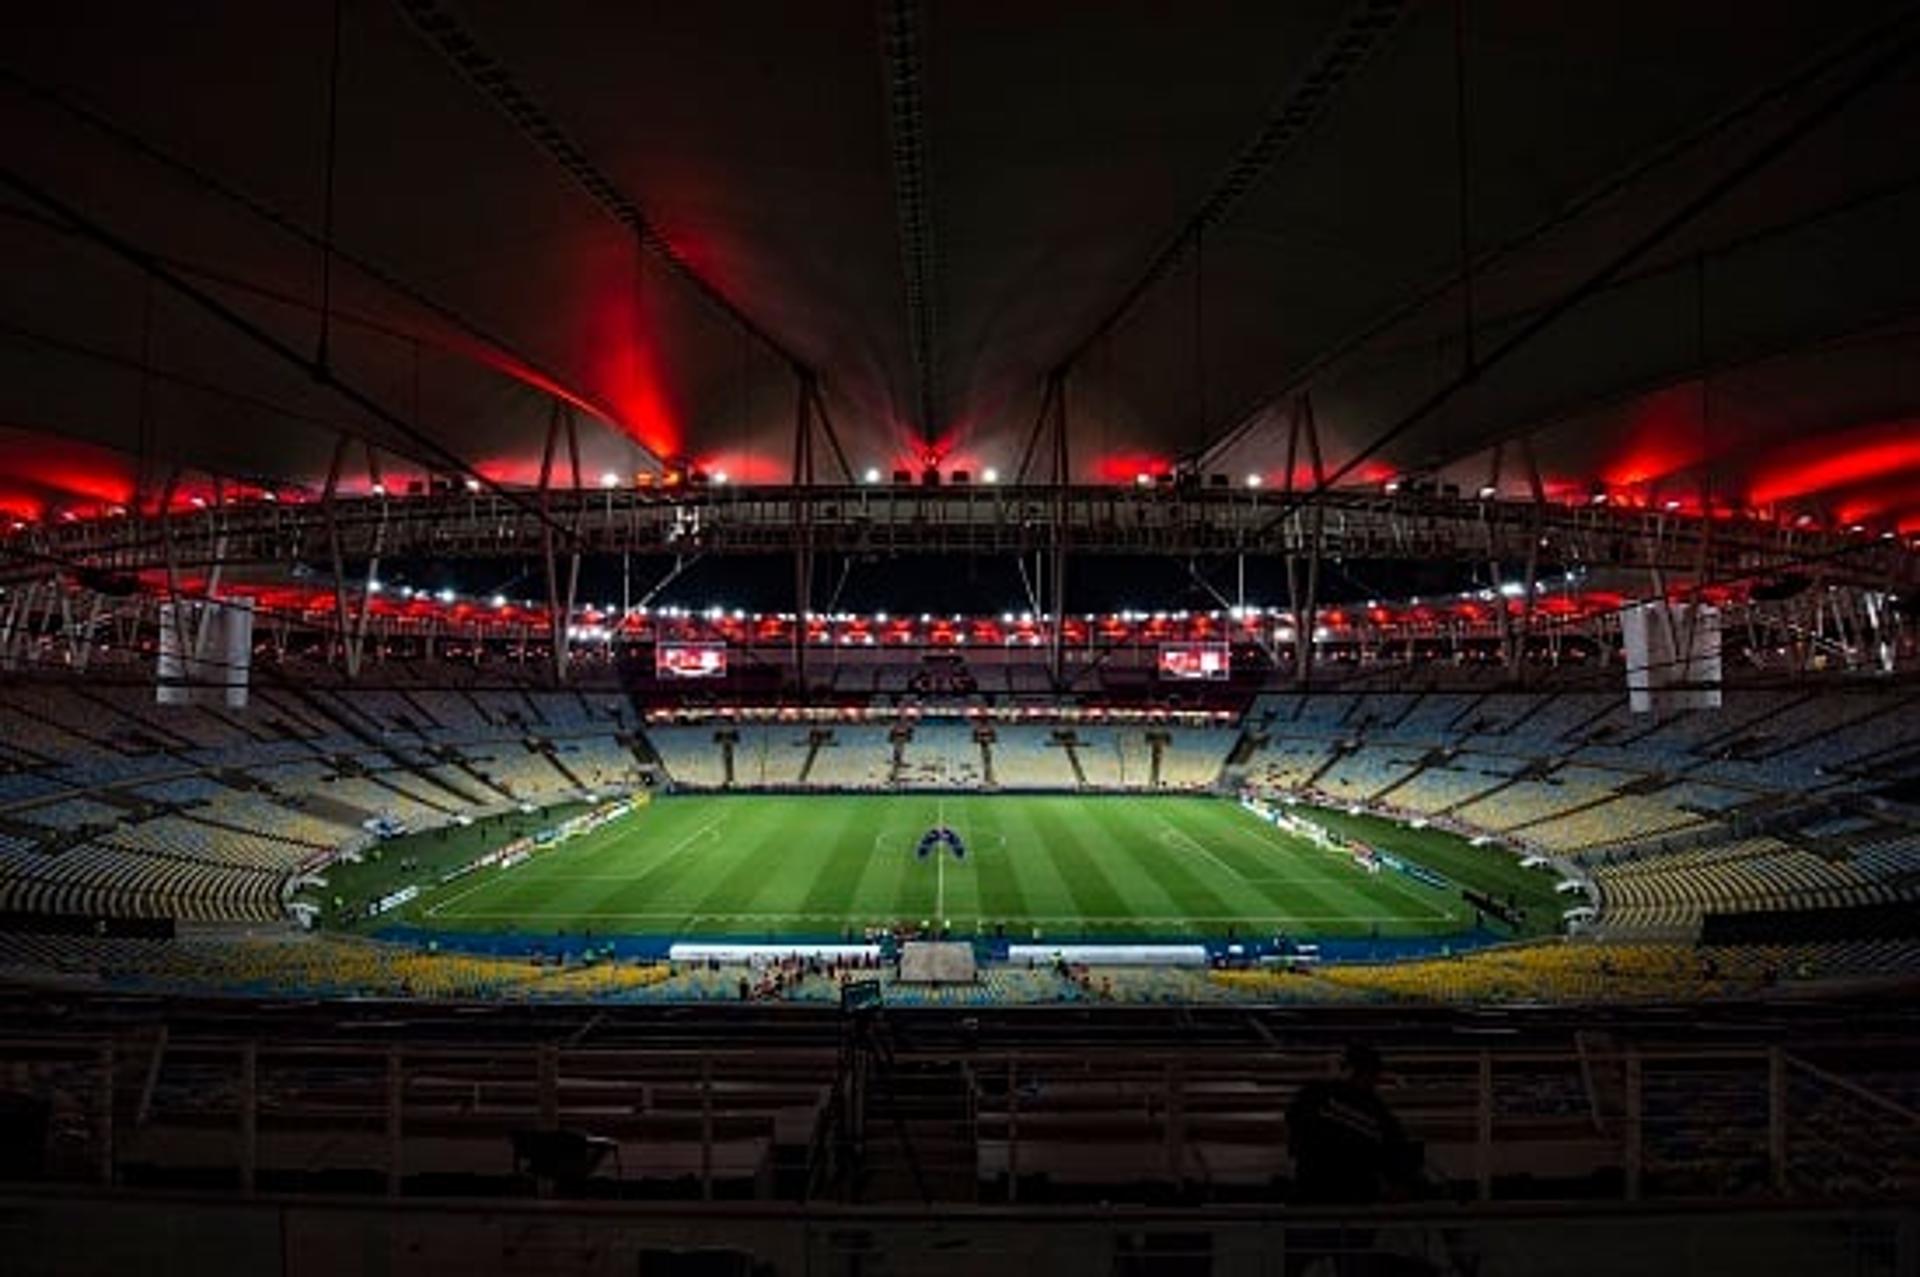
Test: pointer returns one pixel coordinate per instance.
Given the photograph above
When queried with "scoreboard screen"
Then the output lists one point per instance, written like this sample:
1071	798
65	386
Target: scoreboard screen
690	660
1194	660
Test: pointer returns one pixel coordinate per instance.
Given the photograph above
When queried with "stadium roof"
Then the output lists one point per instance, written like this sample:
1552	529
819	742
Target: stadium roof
656	212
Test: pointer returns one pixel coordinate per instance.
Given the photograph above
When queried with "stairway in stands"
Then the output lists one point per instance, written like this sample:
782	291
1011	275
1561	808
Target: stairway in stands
815	739
919	1112
1067	741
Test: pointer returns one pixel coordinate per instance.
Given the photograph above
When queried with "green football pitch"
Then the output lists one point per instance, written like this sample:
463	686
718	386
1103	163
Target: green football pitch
1059	866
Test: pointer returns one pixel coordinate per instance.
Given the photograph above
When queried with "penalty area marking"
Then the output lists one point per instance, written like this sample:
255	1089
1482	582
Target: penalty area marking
434	910
1389	879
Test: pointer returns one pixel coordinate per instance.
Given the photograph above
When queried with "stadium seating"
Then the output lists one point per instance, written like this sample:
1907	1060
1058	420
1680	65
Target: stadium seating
690	755
1360	775
1030	758
150	810
1674	891
855	758
769	755
943	755
1193	756
1288	763
1435	789
70	813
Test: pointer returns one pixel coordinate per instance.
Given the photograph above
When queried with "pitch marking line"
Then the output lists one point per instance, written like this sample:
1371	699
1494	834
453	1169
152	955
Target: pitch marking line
1387	879
434	910
1064	919
1169	832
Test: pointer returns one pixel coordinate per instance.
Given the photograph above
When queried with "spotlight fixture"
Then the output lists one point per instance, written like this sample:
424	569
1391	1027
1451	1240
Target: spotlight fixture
1253	480
719	476
1488	492
872	475
609	480
989	475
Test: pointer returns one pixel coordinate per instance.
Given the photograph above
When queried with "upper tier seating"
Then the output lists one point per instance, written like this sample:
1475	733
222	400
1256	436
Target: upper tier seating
1669	891
1029	758
942	754
690	754
854	757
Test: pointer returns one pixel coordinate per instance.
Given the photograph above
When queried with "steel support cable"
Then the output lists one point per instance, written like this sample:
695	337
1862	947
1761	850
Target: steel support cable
1728	182
148	372
1574	209
458	46
1870	333
139	146
323	354
912	202
1357	38
157	270
1463	172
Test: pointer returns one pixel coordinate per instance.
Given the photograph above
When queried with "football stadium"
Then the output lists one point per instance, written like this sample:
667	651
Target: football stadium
924	635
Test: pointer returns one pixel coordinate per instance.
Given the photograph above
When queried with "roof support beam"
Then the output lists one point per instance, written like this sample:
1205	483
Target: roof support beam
912	202
1057	537
805	394
560	605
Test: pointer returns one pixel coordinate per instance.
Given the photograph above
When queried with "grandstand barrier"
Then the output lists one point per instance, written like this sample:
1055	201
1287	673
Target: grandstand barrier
1499	1119
30	923
1112	955
1897	921
91	1232
714	951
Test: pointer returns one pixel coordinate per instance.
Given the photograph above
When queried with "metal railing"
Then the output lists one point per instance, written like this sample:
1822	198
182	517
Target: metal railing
1601	1120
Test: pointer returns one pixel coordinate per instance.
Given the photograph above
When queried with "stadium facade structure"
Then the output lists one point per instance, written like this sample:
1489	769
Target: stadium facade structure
1796	583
